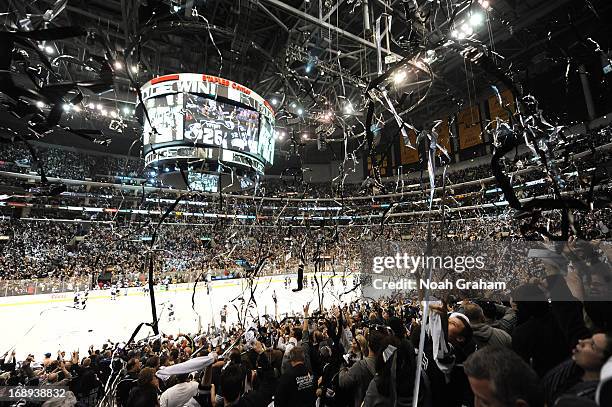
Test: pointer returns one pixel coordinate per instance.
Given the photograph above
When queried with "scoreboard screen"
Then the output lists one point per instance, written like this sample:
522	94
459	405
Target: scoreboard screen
211	122
207	112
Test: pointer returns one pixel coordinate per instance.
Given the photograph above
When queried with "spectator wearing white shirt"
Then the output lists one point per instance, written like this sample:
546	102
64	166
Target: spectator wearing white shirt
179	394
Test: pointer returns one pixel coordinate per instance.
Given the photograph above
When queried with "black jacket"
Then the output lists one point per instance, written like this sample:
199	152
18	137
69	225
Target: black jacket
124	387
540	342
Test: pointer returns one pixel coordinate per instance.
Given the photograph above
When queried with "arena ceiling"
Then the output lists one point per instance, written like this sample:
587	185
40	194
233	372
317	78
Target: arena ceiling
287	51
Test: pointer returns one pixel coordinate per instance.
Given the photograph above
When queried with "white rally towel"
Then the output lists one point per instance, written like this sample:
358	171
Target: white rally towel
605	376
191	365
434	329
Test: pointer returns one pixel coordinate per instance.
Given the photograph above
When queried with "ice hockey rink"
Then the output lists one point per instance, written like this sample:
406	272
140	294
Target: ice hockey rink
47	323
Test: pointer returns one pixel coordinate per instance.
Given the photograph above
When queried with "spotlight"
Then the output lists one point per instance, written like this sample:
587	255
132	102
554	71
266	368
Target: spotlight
126	110
468	31
305	136
293	105
104	112
66	107
308	68
476	19
399	77
300	111
91	105
113	114
484	4
348	108
134	68
99	106
49	50
40	104
118	65
455	34
274	101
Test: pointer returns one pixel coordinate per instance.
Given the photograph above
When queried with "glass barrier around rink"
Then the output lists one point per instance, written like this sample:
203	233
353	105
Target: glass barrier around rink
51	285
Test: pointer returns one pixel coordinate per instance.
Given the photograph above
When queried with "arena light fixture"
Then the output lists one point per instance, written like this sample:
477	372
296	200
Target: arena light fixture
476	19
66	107
300	111
399	77
134	68
104	112
126	110
118	65
348	108
274	101
49	50
113	114
40	104
99	107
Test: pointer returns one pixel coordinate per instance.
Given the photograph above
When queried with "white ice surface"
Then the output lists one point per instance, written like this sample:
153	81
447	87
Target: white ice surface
47	323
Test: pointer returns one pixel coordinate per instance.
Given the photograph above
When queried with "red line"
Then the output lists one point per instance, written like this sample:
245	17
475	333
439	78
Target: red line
164	78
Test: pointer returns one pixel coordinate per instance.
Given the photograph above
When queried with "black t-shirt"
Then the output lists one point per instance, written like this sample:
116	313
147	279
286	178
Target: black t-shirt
296	388
143	396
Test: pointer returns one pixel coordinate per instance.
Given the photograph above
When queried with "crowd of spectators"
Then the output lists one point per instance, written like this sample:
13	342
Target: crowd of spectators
63	162
68	163
60	252
549	343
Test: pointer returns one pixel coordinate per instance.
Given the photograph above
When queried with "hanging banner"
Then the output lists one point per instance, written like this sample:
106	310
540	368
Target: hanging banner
468	125
444	137
409	155
383	166
497	111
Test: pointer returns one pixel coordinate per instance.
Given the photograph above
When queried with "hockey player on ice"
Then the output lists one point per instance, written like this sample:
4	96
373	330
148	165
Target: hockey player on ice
171	312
